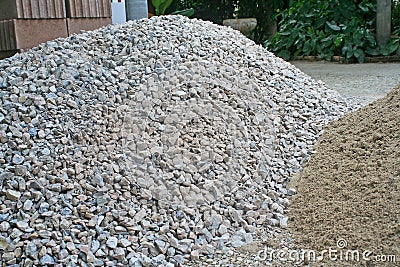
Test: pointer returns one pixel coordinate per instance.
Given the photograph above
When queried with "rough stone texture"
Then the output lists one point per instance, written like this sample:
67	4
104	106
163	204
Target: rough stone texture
153	142
350	188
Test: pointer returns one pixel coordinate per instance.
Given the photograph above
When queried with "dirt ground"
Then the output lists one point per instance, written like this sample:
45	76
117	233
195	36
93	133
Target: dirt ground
349	192
367	82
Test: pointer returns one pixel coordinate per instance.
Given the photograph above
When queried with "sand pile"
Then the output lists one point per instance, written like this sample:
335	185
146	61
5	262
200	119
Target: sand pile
349	192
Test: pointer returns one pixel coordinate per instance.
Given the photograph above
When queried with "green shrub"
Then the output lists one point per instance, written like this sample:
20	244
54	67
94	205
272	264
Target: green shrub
396	16
326	28
212	10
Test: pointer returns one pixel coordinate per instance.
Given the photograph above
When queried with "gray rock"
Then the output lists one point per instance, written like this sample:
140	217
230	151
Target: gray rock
237	241
195	255
47	260
273	222
119	253
291	192
18	159
4	226
208	249
20	170
161	246
223	229
283	222
100	253
7	256
13	195
112	242
46	151
91	258
24	226
63	254
125	242
95	245
31	249
3	243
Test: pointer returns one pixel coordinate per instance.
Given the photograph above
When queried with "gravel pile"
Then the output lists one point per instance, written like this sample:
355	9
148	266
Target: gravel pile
150	143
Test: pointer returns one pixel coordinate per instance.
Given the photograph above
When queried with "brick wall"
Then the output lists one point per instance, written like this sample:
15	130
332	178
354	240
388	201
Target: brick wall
88	8
32	9
27	23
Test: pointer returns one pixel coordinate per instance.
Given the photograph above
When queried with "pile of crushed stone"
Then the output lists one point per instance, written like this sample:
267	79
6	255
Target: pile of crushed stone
349	192
150	143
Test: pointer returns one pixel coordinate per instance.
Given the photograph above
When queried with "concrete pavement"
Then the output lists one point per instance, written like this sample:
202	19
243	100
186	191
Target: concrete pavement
366	82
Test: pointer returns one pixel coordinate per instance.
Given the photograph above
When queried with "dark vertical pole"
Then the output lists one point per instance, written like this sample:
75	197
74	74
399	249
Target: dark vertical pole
383	21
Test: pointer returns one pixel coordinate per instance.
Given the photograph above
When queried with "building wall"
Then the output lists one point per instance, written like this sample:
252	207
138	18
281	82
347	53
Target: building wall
27	23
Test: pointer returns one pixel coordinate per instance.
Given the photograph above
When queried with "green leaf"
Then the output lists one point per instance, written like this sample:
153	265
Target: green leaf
372	51
370	38
391	46
359	55
307	48
186	12
285	54
363	8
326	56
157	3
329	38
347	51
319	23
290	40
338	40
165	5
333	27
161	5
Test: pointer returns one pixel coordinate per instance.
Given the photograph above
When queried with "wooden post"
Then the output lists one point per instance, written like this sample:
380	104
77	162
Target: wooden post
151	8
383	21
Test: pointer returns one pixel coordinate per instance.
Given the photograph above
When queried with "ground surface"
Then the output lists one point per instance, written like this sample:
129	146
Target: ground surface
368	81
349	192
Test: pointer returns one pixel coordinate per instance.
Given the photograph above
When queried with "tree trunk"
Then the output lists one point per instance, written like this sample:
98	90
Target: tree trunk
383	21
136	9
